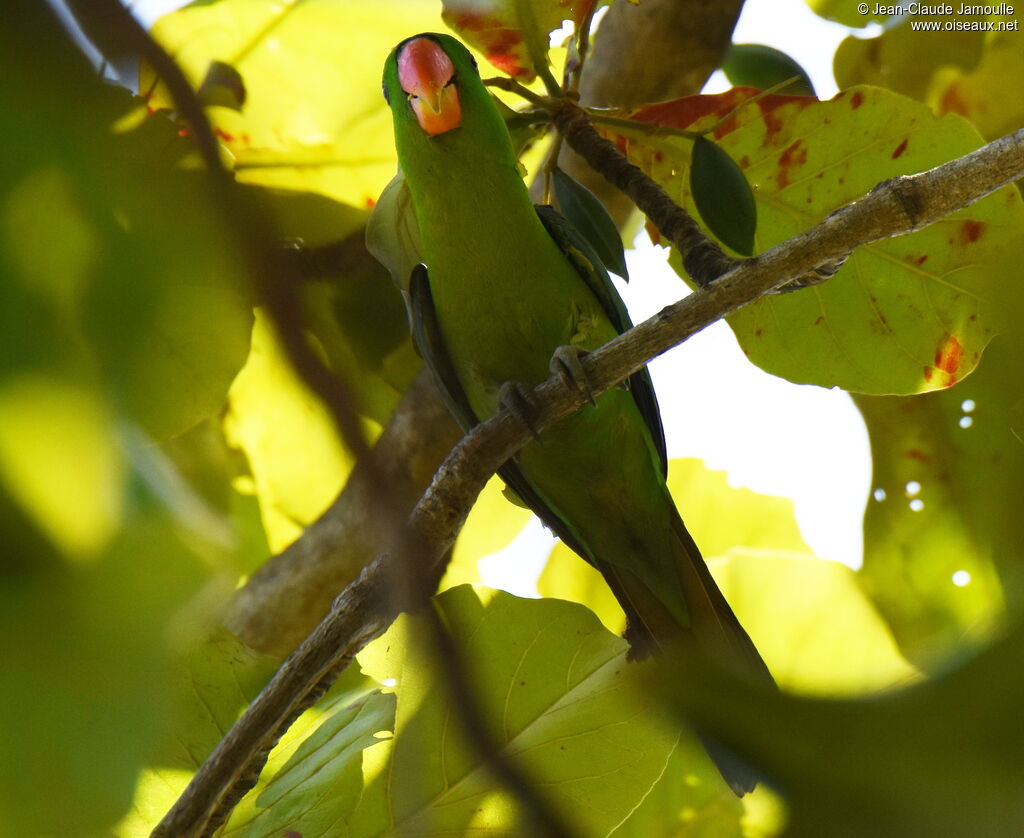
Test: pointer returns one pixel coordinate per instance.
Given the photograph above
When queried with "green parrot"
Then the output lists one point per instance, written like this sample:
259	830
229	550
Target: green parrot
506	287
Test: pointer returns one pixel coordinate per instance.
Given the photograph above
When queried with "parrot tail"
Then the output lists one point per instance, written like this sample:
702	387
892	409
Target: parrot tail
714	631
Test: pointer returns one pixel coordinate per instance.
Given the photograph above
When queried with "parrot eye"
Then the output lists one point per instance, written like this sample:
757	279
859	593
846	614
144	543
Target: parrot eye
387	96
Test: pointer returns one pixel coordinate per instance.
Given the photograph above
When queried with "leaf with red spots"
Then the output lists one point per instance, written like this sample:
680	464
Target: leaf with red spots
877	326
943	528
507	38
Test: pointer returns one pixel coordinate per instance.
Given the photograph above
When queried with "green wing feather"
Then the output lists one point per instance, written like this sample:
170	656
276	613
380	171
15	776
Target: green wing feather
430	344
588	265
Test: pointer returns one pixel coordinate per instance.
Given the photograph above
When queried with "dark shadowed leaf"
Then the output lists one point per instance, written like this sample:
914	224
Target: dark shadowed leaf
760	66
222	86
723	196
587	214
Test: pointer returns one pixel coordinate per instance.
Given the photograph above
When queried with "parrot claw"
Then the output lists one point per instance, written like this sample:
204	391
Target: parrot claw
565	363
513	397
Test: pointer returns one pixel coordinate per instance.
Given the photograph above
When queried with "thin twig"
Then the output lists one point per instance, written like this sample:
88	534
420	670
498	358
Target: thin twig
536	45
512	86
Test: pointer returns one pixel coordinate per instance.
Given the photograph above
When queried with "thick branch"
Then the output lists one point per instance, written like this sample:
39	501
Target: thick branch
363	611
291	592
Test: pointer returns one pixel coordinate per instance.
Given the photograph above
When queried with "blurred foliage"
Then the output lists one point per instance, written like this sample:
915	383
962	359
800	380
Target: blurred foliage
155	446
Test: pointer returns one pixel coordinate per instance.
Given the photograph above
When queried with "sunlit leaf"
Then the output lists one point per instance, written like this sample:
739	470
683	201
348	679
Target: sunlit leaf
719	517
943	528
492	523
551	679
213	679
86	652
289	439
685	805
904	315
905	60
812	623
987	94
314	118
850	12
809	618
722	517
47	425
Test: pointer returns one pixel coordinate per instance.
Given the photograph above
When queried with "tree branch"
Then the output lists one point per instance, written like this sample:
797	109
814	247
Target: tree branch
290	593
364	610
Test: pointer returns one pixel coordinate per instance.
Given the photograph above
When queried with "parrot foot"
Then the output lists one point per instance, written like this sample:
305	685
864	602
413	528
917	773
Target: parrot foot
513	396
565	363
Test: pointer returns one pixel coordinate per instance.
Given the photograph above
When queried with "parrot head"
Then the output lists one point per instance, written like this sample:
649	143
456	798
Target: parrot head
422	78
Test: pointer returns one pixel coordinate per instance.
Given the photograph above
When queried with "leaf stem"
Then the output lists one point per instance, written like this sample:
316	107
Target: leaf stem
535	46
651	128
512	86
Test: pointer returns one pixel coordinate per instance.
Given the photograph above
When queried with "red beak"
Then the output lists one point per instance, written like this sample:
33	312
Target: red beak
426	73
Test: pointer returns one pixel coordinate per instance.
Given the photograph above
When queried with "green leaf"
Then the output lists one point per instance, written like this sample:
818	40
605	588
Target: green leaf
722	196
491	524
317	775
685	805
904	315
760	66
987	95
550	679
46	423
87	657
719	517
587	214
290	442
154	296
215	679
942	532
831	640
